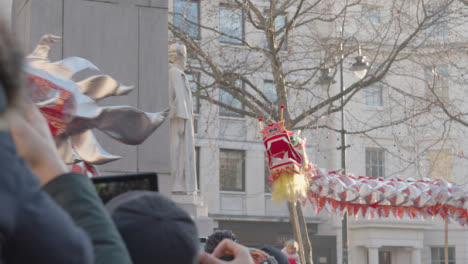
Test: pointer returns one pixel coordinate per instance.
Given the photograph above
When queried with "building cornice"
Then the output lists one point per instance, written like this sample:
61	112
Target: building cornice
261	218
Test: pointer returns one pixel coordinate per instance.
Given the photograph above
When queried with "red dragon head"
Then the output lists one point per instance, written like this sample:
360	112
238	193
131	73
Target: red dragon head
281	154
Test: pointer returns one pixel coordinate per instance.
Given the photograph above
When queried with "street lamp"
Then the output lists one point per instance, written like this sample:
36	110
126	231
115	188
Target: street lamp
324	78
359	68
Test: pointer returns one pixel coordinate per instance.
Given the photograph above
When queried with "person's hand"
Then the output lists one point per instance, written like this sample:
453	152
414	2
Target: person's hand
35	144
227	247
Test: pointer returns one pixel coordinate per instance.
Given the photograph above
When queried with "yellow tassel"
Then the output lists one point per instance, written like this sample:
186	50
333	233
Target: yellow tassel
289	187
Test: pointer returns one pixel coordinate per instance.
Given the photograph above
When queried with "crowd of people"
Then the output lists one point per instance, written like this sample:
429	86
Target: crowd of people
50	215
265	254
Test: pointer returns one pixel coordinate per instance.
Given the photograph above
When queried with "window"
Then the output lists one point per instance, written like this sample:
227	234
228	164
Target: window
231	23
280	23
227	98
197	165
439	27
267	173
232	170
438	255
370	15
269	90
373	95
440	164
186	17
193	80
195	126
375	163
437	78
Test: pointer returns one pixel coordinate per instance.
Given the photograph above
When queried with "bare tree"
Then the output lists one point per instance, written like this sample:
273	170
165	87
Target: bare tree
299	45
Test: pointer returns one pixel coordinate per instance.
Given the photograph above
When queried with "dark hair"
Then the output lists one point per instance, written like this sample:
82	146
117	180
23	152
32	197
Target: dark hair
276	253
11	68
216	237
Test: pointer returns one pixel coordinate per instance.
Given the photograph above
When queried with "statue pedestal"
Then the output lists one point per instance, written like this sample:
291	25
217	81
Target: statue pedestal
198	210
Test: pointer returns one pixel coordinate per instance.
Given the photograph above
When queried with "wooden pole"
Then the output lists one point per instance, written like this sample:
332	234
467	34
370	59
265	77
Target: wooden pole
446	240
297	230
305	235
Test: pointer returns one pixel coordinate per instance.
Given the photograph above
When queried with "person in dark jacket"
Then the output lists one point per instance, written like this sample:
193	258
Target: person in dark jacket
33	228
73	192
276	253
154	228
76	194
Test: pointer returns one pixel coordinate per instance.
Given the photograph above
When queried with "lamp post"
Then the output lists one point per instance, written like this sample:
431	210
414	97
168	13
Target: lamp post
359	68
324	78
344	222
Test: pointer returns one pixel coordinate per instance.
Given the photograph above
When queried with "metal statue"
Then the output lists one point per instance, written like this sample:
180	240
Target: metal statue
72	112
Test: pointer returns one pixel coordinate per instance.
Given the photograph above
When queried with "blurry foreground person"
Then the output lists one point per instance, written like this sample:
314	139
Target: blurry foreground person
279	256
33	228
154	228
216	237
291	247
239	253
258	256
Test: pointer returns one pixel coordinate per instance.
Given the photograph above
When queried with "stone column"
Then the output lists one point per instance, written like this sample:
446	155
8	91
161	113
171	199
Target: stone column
373	255
416	256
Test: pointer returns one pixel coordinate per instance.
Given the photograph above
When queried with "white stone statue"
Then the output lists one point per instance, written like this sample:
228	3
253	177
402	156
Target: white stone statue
181	118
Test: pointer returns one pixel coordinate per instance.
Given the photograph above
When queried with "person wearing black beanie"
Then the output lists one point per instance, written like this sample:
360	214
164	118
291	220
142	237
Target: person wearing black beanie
154	228
276	253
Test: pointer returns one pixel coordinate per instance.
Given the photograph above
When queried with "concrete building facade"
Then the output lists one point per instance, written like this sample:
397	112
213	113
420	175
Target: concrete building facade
128	40
244	205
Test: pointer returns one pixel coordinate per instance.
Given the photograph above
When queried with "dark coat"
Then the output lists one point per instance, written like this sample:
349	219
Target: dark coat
33	228
76	194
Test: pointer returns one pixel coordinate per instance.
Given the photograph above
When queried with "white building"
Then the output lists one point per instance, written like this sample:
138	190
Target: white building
230	150
231	154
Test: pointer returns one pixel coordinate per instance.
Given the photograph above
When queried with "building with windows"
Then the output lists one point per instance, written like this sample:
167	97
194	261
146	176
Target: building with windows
231	155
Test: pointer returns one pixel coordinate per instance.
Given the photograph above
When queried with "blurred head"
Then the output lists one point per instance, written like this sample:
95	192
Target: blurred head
276	253
216	237
154	228
262	257
11	69
291	246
